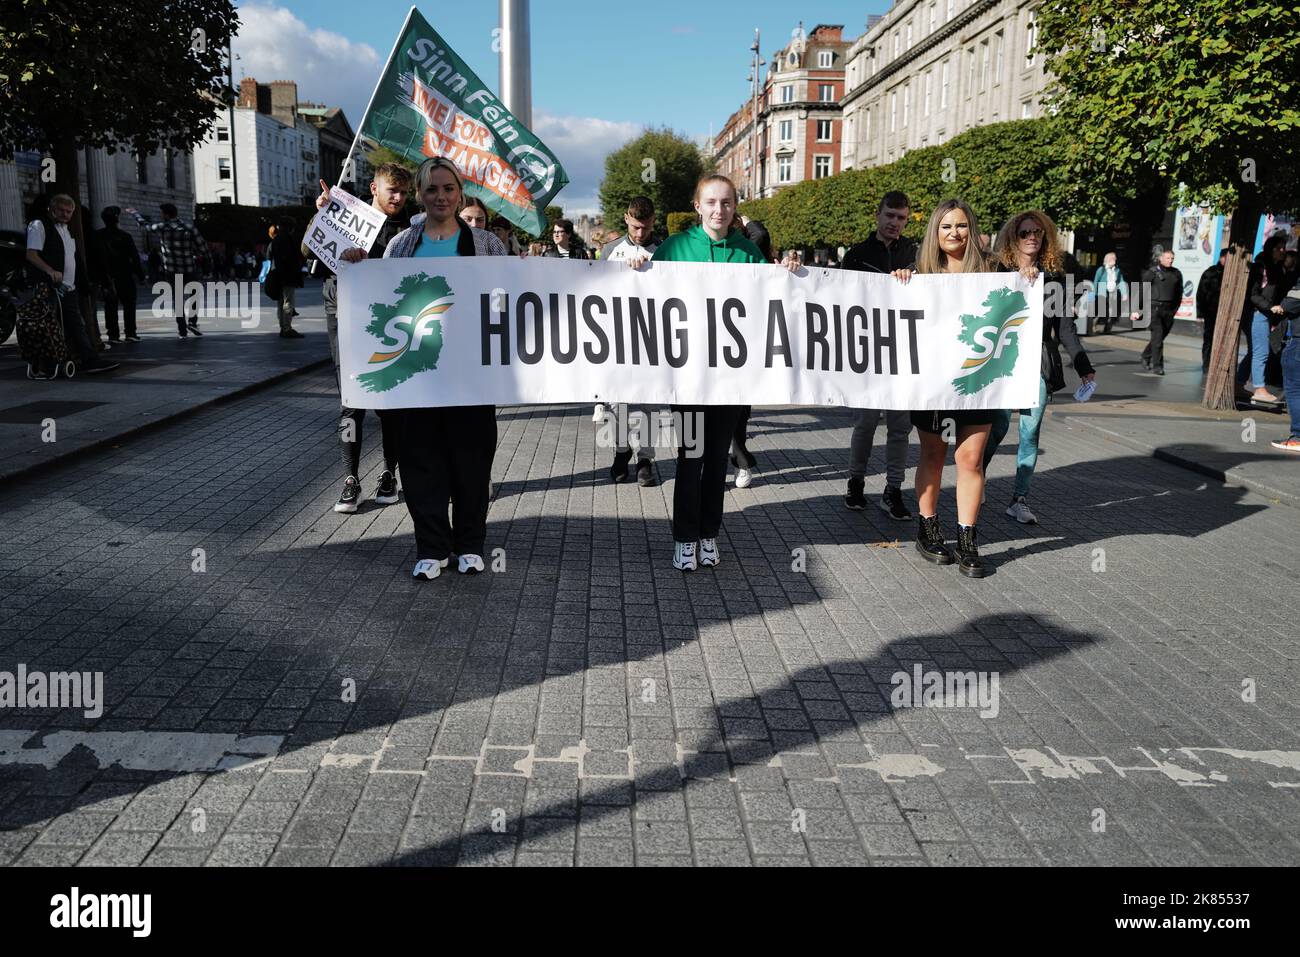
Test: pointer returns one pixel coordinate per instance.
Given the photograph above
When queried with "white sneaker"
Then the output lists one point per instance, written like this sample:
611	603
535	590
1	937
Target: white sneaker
1020	511
598	414
684	556
709	552
429	569
743	478
469	564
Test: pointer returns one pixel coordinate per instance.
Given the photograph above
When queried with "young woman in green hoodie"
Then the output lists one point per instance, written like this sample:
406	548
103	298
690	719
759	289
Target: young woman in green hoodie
701	479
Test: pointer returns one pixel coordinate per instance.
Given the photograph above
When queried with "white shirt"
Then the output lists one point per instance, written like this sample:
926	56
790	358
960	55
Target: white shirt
624	248
36	240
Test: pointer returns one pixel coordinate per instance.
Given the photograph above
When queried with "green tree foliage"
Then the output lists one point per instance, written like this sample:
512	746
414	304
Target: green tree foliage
999	169
1203	92
658	164
680	222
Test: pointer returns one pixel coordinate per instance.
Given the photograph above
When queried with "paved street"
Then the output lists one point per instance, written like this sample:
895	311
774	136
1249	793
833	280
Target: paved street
278	691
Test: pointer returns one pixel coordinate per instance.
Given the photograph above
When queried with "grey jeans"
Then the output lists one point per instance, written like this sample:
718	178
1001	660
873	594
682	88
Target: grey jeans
899	426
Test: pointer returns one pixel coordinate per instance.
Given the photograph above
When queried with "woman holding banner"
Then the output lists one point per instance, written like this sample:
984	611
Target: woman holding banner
951	245
446	453
701	478
1029	244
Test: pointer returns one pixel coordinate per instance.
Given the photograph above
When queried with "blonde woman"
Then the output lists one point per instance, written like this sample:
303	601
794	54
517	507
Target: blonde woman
951	245
446	453
1029	244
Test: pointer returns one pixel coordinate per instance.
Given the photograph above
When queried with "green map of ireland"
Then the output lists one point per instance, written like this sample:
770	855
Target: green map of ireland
409	331
994	335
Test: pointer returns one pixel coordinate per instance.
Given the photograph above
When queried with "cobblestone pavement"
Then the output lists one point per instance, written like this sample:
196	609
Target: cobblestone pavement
278	691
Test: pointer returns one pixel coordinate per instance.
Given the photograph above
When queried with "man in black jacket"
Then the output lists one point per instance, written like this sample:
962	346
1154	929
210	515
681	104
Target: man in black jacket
116	263
1207	306
886	250
1163	284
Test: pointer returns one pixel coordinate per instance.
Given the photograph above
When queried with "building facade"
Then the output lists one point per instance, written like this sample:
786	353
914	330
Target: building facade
262	152
798	117
929	69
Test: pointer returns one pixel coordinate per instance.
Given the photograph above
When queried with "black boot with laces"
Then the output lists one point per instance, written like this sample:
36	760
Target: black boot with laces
929	541
969	562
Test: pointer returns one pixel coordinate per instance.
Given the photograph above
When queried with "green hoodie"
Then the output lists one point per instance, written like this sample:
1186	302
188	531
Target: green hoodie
695	246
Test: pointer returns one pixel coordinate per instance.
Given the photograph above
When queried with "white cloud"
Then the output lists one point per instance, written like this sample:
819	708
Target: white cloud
581	143
273	44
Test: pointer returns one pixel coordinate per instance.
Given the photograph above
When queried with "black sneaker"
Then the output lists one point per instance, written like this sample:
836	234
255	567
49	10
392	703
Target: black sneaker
618	471
351	495
891	503
855	499
291	334
645	473
194	328
386	490
98	365
132	338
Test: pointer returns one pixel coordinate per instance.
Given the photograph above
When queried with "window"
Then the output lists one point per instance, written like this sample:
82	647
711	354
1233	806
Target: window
787	131
787	93
793	59
826	93
907	103
893	111
825	59
934	15
951	10
997	57
1027	110
223	167
984	64
223	134
228	200
823	131
141	168
929	82
821	167
909	35
897	40
866	128
970	72
943	87
170	159
1031	40
784	168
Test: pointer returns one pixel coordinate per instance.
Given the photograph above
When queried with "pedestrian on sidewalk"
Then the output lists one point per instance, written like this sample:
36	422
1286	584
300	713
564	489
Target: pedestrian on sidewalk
286	261
1291	368
55	257
1109	293
951	245
702	471
886	250
182	253
389	190
1163	285
1208	290
634	249
475	214
1262	312
116	268
1029	244
446	453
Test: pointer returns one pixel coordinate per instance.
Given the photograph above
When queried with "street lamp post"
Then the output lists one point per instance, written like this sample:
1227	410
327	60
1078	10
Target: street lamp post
516	61
756	63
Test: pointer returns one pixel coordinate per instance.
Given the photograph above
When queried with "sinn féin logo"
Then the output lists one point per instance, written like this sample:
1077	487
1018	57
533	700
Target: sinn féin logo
410	331
994	336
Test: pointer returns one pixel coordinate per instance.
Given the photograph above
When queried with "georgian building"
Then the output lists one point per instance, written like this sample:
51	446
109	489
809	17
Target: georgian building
798	117
929	69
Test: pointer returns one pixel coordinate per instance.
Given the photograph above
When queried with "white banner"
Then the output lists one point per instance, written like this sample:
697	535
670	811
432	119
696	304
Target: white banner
509	331
343	223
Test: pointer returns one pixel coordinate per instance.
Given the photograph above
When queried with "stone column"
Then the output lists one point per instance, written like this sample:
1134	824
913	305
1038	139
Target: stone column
11	198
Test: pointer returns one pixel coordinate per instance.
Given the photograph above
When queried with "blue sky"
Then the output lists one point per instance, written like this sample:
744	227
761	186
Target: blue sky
601	71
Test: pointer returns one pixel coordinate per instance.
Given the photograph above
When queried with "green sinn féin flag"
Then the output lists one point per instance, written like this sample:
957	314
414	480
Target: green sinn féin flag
429	103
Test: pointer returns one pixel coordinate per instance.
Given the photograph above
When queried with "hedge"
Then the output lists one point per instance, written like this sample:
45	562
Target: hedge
680	222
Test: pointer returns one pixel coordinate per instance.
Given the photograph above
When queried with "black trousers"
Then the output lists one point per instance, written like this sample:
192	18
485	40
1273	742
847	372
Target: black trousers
701	469
741	457
1207	342
1162	321
446	456
119	289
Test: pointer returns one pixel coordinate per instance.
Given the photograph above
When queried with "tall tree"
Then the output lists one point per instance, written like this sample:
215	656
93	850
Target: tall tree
658	164
116	73
1205	93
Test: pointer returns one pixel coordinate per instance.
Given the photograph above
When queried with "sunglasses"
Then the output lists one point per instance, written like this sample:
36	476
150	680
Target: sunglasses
1026	233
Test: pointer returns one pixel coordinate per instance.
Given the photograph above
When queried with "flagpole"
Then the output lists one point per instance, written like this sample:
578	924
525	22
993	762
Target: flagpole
382	73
